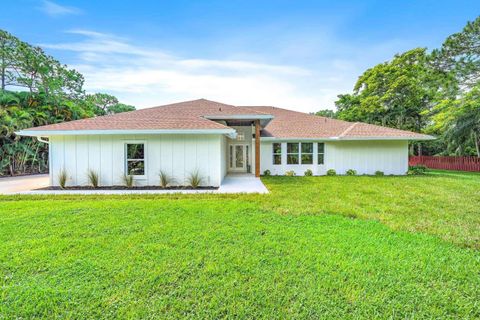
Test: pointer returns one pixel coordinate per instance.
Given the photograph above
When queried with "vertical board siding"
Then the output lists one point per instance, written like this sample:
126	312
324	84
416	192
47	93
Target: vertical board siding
178	155
365	157
447	163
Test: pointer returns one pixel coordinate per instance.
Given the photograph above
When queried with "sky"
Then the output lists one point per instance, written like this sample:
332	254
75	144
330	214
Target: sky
293	54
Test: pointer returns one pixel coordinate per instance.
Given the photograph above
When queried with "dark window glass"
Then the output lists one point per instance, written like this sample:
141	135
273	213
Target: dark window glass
321	153
135	151
277	148
277	159
136	167
307	158
307	147
320	158
277	153
321	147
292	158
292	148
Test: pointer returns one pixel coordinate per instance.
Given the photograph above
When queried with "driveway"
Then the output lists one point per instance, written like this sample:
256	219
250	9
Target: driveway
23	183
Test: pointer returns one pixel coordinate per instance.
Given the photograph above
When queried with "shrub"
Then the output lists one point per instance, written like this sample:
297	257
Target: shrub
379	173
267	173
165	179
62	178
290	173
351	172
93	178
417	170
128	180
308	173
195	179
331	172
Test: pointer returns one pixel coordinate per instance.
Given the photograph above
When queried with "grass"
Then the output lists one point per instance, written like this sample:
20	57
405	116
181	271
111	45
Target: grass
329	247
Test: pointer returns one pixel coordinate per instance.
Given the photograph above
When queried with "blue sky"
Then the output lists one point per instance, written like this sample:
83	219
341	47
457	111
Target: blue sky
294	54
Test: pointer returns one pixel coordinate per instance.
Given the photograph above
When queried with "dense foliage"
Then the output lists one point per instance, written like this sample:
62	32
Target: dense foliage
35	90
436	93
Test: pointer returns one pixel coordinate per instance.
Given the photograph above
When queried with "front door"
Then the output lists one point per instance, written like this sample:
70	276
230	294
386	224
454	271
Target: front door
237	158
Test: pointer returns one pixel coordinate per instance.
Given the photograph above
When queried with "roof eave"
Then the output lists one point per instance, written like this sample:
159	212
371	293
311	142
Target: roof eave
372	138
49	133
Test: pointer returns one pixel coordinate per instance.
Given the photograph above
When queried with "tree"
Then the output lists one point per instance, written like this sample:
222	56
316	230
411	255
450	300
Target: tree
101	102
394	93
459	55
120	107
326	113
459	120
23	65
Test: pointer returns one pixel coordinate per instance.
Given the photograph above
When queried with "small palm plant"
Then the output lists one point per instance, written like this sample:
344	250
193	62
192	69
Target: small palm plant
62	178
128	180
165	179
93	178
195	179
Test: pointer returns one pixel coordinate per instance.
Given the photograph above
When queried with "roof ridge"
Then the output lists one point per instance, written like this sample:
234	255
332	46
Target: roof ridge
348	129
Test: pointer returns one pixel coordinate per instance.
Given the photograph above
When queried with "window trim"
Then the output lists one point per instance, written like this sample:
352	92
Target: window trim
125	159
320	153
276	154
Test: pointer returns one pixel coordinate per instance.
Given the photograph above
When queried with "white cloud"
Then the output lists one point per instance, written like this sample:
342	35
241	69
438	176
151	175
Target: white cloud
145	76
54	9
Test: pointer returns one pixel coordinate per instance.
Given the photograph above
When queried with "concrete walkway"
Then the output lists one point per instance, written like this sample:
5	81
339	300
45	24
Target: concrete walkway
231	184
10	185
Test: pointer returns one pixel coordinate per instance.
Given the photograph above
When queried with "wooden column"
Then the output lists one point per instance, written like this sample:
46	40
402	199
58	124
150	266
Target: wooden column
257	148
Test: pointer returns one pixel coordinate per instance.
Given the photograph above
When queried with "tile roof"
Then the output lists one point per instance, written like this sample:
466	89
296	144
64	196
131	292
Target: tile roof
191	115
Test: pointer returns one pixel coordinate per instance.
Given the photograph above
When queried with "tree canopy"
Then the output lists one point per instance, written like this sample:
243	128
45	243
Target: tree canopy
436	93
36	89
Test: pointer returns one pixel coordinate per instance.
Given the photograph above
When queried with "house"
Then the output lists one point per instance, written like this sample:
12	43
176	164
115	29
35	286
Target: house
215	139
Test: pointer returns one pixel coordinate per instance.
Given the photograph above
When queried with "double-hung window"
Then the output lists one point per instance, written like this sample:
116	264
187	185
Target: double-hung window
307	152
277	153
321	153
293	153
135	159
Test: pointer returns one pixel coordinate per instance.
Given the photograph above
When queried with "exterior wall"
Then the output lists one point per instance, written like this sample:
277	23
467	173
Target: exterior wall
178	155
365	157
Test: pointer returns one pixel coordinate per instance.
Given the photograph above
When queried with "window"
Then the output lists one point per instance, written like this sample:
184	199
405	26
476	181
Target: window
321	153
307	153
240	136
292	153
135	164
300	153
277	153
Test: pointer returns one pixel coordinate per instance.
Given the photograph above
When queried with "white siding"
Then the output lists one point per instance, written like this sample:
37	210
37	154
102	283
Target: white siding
178	155
365	157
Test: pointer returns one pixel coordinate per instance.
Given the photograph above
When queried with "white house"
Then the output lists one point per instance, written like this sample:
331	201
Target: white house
216	139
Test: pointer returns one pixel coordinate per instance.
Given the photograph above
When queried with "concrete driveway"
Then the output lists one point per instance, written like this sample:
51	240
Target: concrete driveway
23	183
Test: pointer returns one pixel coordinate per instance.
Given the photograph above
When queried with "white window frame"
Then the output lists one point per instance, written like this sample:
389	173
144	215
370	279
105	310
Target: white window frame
276	154
125	159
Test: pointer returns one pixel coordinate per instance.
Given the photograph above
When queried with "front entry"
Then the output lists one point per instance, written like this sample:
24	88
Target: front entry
238	158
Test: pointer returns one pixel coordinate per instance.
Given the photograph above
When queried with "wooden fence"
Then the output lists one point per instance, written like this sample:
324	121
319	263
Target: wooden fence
446	163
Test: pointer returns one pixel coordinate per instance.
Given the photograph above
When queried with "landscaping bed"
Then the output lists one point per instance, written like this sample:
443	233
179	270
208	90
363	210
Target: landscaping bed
127	188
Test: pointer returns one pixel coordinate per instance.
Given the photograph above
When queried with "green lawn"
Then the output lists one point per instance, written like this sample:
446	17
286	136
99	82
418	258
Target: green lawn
319	247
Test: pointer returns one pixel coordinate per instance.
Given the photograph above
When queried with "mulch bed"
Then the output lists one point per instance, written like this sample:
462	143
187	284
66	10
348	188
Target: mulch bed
126	188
